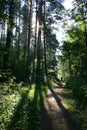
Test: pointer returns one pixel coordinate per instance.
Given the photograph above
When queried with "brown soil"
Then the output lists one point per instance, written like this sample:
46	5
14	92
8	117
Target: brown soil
55	114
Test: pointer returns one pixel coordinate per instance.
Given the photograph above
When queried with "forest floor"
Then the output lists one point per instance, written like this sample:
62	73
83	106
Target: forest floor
55	114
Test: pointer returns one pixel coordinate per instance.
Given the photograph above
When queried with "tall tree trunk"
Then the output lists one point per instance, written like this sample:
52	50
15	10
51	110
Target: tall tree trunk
84	17
86	35
83	13
9	35
70	70
18	49
39	44
29	39
34	64
85	61
25	40
16	35
45	60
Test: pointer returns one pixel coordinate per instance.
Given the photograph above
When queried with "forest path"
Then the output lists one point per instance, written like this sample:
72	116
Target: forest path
55	114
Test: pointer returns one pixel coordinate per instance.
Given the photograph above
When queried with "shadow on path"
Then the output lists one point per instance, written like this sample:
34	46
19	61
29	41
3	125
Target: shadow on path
55	115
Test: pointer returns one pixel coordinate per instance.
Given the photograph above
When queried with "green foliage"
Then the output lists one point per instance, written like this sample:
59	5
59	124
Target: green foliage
9	98
78	85
22	110
74	55
3	16
79	116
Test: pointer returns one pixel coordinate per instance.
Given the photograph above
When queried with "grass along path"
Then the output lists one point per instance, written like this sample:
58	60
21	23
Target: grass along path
79	115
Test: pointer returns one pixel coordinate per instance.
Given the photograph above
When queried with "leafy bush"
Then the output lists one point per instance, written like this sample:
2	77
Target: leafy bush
78	86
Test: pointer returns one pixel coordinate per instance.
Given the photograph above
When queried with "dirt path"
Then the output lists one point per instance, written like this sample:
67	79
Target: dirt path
55	114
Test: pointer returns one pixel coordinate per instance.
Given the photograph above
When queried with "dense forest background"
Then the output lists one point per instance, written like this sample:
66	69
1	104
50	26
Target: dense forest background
73	61
28	44
29	47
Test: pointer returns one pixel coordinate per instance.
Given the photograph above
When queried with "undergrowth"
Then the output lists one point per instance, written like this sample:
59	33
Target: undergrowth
21	108
79	115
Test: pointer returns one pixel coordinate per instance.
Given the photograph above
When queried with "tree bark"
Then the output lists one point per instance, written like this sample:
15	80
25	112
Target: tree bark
29	38
9	35
45	60
34	64
39	44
